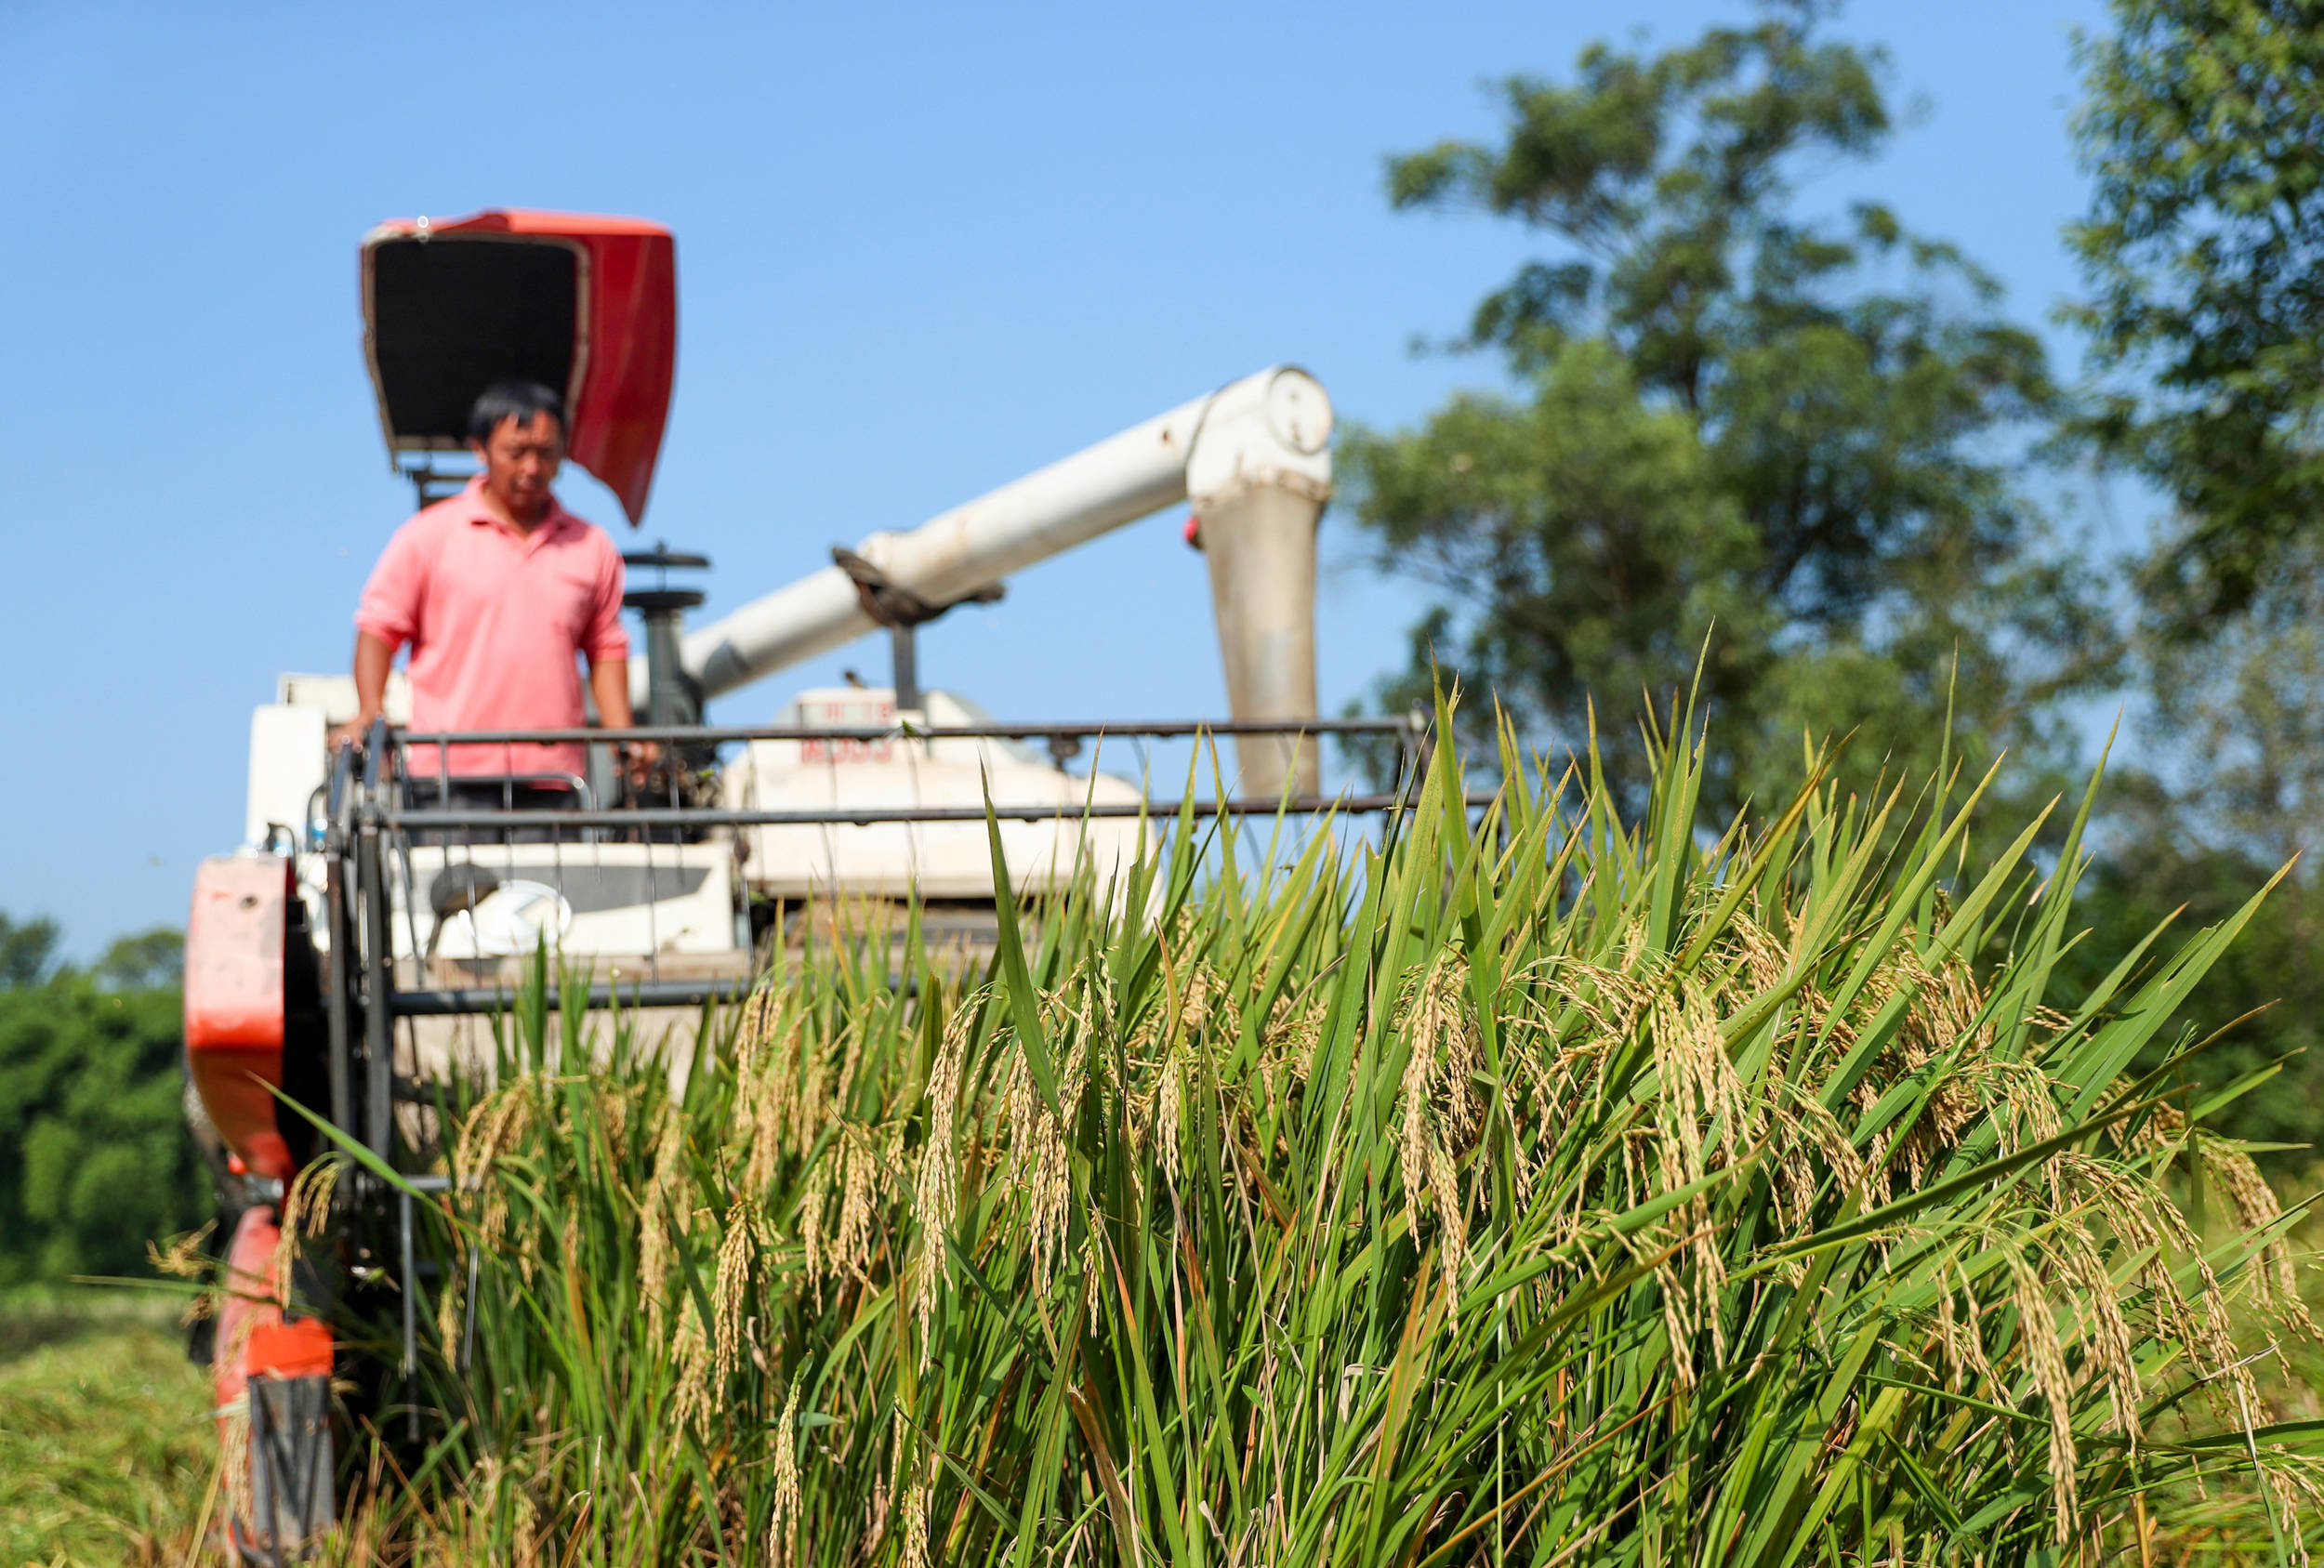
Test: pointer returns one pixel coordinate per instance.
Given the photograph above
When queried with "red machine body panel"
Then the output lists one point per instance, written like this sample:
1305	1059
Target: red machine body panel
235	1002
620	358
248	1305
257	1341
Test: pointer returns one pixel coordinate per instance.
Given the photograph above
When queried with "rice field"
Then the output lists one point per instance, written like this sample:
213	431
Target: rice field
106	1448
1545	1184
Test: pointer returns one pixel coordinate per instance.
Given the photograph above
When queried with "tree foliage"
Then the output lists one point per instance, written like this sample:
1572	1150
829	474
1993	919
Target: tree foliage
2203	130
2149	871
27	951
1798	432
94	1156
2224	790
152	960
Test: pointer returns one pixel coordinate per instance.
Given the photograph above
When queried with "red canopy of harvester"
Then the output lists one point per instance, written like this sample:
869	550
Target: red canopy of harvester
583	304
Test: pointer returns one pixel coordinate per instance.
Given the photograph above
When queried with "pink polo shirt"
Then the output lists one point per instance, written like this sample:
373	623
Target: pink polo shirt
494	621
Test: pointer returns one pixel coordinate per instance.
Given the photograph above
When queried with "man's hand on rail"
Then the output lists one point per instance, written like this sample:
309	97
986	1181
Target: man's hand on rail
351	732
638	758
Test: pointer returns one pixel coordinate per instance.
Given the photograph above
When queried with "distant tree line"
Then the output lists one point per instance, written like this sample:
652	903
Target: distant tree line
94	1157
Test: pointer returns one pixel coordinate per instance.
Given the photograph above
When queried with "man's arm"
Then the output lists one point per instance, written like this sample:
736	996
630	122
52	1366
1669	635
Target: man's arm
386	619
374	658
606	646
609	683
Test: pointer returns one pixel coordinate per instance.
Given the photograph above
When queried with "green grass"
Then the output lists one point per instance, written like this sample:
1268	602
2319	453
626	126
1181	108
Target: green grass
106	1442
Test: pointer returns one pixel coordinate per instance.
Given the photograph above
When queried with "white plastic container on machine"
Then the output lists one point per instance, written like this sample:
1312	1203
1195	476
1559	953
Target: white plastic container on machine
937	860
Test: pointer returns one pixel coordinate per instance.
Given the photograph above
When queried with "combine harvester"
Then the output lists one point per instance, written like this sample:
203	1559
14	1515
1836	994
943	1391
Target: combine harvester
345	951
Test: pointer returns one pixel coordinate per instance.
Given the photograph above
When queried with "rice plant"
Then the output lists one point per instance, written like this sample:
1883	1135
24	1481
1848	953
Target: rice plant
1536	1186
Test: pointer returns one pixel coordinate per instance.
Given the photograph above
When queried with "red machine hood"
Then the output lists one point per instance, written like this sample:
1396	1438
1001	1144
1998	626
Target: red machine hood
587	305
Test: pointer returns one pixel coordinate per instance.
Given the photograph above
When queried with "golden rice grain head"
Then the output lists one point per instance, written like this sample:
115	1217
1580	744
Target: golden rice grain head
306	1209
281	1264
936	1184
1294	1027
1948	1336
1677	1325
916	1527
754	1027
1434	1019
1709	1275
1037	1166
691	1402
1413	1131
654	1213
1020	1099
1048	1195
2045	1361
499	1121
814	1196
1452	1223
1093	1272
851	1036
730	1294
2277	1284
528	1530
859	1189
234	1456
448	1302
2294	1496
183	1258
1169	1110
783	1517
761	1109
2112	1345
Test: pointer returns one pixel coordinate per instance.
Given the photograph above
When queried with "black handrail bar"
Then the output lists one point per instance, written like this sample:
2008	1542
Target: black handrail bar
469	1000
1165	729
843	816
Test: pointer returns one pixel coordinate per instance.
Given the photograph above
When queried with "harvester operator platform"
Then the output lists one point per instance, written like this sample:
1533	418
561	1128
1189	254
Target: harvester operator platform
497	590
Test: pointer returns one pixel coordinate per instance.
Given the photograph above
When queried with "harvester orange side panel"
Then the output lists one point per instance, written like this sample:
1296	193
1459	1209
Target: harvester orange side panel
257	1341
248	1305
233	990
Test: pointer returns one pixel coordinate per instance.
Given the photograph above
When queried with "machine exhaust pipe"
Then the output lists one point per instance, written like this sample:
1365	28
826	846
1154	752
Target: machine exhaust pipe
1256	516
1259	541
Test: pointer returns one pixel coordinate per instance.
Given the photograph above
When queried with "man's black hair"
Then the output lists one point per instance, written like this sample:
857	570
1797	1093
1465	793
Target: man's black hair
519	400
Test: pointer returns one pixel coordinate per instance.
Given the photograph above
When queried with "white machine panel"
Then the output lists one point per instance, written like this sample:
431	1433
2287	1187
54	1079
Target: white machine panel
588	900
286	768
935	860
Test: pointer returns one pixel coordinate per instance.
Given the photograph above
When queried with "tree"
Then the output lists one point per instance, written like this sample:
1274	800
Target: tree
2204	134
154	960
2227	790
2151	870
27	951
1798	432
94	1157
2203	131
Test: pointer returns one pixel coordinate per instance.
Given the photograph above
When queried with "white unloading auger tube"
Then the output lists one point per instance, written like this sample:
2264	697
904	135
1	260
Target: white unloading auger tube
1254	458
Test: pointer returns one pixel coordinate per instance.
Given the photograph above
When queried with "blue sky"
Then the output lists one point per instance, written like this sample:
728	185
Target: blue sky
921	250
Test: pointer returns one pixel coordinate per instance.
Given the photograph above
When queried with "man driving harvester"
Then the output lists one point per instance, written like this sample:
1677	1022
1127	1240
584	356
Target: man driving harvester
497	590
